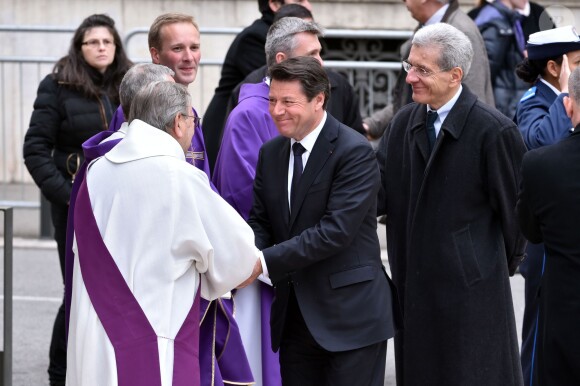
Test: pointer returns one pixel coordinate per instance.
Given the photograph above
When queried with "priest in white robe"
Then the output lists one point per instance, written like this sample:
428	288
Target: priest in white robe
150	235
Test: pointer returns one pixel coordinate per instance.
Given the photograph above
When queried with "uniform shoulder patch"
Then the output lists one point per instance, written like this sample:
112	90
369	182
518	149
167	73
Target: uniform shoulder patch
529	94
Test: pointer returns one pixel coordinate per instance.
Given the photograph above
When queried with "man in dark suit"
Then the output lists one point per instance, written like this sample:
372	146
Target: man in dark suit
549	212
314	216
450	173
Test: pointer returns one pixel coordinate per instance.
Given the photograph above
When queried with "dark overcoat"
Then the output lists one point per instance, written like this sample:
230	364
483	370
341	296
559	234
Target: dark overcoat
452	233
549	212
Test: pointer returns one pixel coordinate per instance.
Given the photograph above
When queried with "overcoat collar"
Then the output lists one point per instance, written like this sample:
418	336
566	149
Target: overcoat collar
453	6
452	126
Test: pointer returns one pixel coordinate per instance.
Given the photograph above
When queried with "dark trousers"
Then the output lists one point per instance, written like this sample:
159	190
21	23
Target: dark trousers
531	270
303	362
57	351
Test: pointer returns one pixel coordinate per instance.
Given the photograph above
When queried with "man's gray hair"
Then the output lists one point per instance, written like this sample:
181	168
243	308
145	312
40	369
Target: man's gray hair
574	86
159	103
282	36
455	49
139	76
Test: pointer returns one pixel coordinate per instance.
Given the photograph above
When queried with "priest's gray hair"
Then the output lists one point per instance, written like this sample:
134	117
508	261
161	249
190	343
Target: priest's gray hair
455	49
159	103
574	86
282	36
139	76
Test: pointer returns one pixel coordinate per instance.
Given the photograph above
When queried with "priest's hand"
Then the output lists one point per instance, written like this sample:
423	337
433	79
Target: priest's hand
255	273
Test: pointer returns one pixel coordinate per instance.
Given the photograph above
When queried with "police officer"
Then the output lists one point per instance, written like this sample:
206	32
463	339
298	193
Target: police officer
542	120
540	113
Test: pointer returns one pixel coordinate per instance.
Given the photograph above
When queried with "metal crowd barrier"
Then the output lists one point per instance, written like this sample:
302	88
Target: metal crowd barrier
6	354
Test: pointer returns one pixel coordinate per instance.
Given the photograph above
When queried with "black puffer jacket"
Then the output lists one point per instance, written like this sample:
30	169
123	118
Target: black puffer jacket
61	121
504	55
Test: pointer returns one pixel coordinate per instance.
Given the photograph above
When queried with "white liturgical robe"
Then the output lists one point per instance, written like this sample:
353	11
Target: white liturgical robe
163	225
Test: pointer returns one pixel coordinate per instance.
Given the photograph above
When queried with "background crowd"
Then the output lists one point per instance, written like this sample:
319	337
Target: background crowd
475	93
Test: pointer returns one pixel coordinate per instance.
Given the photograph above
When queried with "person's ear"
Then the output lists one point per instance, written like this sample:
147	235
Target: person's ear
553	68
178	131
280	57
275	5
154	55
456	76
568	106
319	101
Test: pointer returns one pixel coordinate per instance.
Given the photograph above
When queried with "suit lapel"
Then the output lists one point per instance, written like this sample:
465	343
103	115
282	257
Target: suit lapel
282	179
322	150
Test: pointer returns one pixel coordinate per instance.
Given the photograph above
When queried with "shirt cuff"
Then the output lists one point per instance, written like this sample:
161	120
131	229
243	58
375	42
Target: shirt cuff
264	277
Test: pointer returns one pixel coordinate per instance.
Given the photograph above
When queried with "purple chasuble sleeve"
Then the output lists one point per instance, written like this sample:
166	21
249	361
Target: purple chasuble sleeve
220	336
247	128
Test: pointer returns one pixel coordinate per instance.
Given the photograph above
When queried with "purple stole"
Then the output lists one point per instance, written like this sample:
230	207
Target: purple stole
126	325
92	149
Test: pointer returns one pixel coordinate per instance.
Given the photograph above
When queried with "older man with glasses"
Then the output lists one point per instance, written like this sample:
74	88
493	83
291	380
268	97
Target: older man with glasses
450	173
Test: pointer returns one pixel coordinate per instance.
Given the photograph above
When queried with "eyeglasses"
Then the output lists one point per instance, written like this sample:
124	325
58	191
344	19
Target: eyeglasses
96	43
196	119
421	72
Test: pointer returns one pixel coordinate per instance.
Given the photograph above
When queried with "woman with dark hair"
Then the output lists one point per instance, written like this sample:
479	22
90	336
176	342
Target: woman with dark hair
74	102
542	120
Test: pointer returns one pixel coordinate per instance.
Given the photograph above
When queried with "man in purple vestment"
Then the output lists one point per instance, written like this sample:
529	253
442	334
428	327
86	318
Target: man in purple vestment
161	271
100	144
248	127
219	337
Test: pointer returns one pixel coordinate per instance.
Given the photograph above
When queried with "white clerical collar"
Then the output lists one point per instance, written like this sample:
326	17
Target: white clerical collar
142	141
544	81
437	16
310	139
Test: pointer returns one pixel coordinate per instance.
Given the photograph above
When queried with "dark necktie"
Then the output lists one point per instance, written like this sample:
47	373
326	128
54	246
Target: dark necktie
431	118
298	150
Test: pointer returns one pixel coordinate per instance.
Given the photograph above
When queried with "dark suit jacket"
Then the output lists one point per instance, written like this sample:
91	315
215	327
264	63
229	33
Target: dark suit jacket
549	211
328	246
